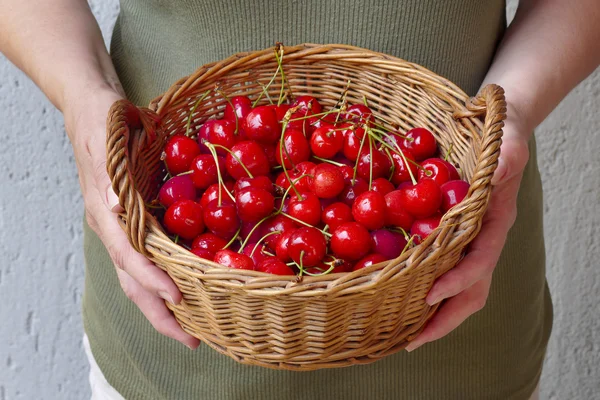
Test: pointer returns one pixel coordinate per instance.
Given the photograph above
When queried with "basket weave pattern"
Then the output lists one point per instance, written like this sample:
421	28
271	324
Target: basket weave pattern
326	321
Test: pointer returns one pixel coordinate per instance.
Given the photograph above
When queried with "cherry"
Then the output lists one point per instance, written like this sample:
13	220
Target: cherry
222	219
395	213
339	265
242	106
255	253
262	125
328	181
453	192
212	193
306	209
326	142
394	139
454	176
322	121
203	253
272	265
401	173
388	243
278	223
423	199
307	246
421	143
422	228
177	188
381	163
260	182
308	105
204	171
353	190
180	150
295	149
248	227
303	184
282	249
352	141
351	241
347	172
280	112
382	185
359	114
271	151
251	156
436	169
231	259
184	218
217	131
336	214
253	204
369	210
210	242
369	260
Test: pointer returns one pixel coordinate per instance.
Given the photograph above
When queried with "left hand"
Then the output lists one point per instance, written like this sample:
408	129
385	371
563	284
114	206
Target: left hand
467	285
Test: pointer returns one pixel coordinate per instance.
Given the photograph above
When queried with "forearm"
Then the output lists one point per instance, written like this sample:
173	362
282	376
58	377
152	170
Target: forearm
58	44
550	47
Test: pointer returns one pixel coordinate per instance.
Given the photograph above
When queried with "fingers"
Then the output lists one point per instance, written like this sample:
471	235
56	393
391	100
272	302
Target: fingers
453	313
155	310
514	155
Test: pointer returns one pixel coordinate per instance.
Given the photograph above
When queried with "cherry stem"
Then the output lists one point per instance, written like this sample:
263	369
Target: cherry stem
176	239
233	238
448	152
362	142
280	68
189	122
344	101
328	161
261	240
387	134
265	92
300	266
323	272
213	152
219	91
306	224
234	156
393	169
245	242
370	162
365	101
286	121
399	151
265	88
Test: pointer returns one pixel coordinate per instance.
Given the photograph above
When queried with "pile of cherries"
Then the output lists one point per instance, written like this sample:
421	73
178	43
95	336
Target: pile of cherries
291	189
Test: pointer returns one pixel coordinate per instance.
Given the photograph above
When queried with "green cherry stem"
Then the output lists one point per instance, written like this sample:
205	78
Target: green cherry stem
448	152
280	68
370	162
237	234
399	151
328	161
220	92
261	240
306	224
189	122
234	156
222	187
362	142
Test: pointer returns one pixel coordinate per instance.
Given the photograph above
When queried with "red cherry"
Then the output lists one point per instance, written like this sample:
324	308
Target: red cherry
336	214
253	204
210	242
282	249
401	173
422	228
303	184
245	230
454	176
382	185
251	155
204	171
369	210
217	131
388	243
294	150
177	188
423	199
308	105
328	181
242	106
395	213
453	192
180	150
280	112
347	172
394	139
222	219
203	253
326	142
322	121
307	246
274	266
353	190
184	218
255	253
381	163
359	114
259	182
235	260
351	241
261	125
306	209
212	193
436	169
421	143
352	141
278	223
369	260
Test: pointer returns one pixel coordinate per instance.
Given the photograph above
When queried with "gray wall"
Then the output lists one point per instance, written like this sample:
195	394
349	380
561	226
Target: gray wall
41	267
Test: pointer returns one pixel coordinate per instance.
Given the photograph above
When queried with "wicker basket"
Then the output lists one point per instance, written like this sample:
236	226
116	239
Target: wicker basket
332	320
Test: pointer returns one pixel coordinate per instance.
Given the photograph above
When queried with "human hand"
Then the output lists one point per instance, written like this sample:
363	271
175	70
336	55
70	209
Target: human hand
143	283
467	285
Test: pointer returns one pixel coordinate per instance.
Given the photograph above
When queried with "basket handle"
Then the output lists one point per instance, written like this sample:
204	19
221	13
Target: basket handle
124	122
491	102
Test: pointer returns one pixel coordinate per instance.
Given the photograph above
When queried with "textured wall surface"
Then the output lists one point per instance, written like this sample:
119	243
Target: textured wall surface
41	262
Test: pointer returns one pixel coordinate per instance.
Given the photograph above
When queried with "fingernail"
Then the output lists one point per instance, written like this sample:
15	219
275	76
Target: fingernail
433	300
167	297
412	346
113	200
190	347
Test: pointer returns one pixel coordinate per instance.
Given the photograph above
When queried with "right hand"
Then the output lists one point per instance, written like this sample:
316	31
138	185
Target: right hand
143	283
